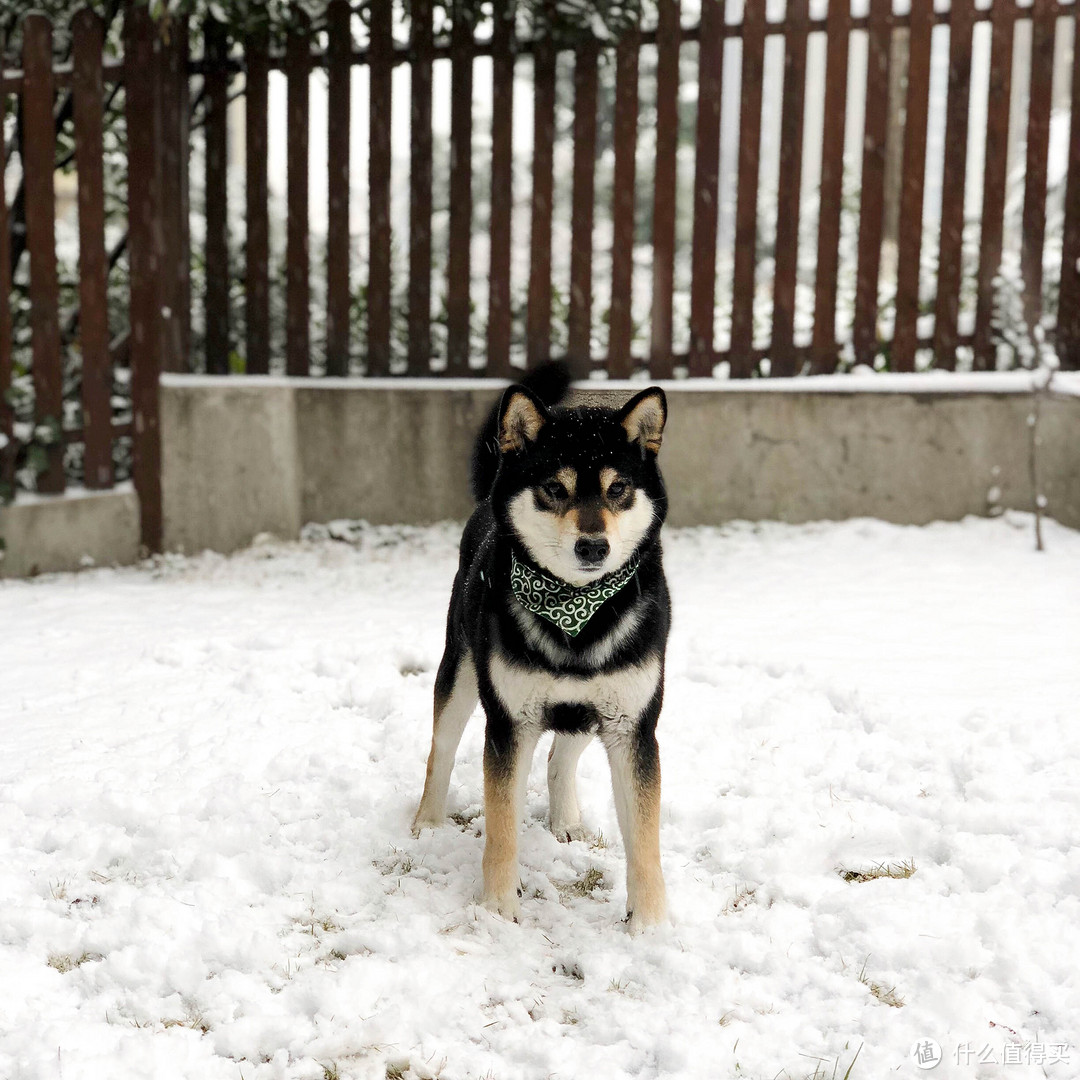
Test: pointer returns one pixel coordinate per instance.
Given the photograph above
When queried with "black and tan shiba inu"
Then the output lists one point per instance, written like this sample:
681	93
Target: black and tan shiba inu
558	622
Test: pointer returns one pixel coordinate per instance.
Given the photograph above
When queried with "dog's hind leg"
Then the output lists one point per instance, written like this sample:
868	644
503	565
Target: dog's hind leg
507	755
455	700
566	749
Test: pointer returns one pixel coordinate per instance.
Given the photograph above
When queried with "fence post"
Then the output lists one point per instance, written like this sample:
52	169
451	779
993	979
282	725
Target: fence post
7	418
831	192
502	182
39	154
1033	231
743	285
579	337
419	358
216	89
706	189
88	93
381	55
624	185
1068	327
176	278
257	247
782	358
459	262
339	50
141	70
1002	16
872	198
668	37
297	265
538	316
961	20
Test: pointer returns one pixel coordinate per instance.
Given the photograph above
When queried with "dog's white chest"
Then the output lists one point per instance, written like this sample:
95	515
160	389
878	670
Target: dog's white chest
617	695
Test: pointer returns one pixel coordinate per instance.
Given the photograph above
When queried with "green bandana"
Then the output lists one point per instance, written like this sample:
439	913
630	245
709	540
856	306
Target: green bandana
569	607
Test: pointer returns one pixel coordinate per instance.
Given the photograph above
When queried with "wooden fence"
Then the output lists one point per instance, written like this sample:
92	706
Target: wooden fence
156	220
158	76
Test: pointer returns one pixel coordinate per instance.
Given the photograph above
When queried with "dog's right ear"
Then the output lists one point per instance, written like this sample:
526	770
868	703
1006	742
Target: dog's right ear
521	416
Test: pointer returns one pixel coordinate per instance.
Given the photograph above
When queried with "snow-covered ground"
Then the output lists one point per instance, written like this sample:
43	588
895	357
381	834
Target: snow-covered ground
208	768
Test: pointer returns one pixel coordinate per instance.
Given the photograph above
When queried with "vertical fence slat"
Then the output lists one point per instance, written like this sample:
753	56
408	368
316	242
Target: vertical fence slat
1038	141
183	105
538	328
1068	328
579	325
419	349
38	163
909	248
1002	15
668	37
257	247
961	21
623	203
339	16
706	188
176	269
742	290
144	255
502	179
89	95
459	263
381	59
7	418
297	279
872	198
216	92
782	352
831	192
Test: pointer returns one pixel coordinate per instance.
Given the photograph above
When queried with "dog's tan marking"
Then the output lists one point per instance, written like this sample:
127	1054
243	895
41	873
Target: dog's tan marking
646	895
451	716
568	478
644	423
637	805
500	845
521	423
504	801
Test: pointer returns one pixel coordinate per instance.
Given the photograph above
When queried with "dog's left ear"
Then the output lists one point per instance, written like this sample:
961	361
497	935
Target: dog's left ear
643	418
521	416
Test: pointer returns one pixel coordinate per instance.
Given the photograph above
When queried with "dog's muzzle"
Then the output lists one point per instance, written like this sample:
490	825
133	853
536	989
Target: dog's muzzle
592	551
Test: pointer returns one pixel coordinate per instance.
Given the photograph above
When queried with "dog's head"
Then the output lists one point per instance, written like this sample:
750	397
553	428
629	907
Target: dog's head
580	488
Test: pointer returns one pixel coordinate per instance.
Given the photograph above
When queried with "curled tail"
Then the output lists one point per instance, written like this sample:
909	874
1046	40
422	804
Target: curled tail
549	383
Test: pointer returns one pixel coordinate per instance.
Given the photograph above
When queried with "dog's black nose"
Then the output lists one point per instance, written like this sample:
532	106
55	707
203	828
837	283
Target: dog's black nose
592	549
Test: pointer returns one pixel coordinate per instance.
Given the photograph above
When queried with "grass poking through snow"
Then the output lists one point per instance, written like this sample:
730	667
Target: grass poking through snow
887	995
65	962
890	870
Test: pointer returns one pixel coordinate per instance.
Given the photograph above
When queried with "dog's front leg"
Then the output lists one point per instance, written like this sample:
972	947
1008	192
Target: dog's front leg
635	779
508	751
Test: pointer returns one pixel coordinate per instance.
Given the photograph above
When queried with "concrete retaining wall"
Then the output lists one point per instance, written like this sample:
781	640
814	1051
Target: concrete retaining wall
906	449
42	534
253	455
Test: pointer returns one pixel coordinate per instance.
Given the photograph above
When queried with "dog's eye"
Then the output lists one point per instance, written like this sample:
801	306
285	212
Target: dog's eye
554	490
617	490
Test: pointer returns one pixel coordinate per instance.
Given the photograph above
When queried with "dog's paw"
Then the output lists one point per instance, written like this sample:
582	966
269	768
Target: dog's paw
426	821
507	905
645	916
565	833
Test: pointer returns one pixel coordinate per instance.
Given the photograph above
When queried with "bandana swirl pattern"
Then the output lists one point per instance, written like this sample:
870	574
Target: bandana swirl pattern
570	608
